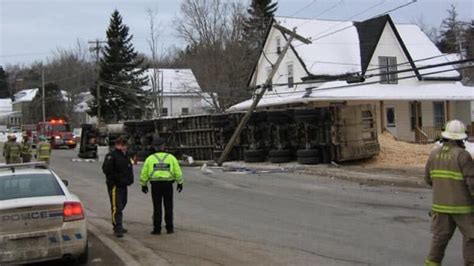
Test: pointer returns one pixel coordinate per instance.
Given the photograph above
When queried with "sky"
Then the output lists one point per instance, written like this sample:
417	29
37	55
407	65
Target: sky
31	30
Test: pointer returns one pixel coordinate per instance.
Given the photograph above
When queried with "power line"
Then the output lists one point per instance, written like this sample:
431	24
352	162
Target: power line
304	8
364	83
321	13
318	37
353	16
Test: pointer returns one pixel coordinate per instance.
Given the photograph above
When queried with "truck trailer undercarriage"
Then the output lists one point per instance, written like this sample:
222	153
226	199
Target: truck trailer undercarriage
309	135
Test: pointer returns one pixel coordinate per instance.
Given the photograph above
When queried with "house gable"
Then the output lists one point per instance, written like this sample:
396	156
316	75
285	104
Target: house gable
390	45
269	56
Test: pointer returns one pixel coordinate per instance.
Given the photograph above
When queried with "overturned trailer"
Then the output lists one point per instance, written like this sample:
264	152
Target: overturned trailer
309	136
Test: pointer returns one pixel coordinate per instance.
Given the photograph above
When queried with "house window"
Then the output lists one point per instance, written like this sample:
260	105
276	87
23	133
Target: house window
390	115
290	75
164	111
269	72
438	114
184	111
415	113
278	45
388	69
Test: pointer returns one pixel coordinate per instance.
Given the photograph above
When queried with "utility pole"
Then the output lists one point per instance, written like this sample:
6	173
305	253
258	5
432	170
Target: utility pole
230	145
42	95
97	46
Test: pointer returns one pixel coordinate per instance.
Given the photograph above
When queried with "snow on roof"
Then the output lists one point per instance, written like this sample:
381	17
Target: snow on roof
175	81
340	90
29	94
421	47
25	95
321	55
5	106
83	100
454	91
339	52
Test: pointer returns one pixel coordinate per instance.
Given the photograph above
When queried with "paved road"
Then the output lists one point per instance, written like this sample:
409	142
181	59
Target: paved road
268	219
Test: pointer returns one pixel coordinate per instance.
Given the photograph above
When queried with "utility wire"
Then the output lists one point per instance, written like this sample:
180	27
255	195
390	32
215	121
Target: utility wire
304	8
365	83
318	37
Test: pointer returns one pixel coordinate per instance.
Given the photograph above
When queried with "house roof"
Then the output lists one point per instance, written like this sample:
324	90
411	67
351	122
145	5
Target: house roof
25	95
175	81
341	91
342	47
29	94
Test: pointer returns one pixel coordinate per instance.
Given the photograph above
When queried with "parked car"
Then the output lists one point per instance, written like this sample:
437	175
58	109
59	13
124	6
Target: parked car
40	219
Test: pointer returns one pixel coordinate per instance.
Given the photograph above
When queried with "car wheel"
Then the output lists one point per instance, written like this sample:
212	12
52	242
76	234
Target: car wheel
84	257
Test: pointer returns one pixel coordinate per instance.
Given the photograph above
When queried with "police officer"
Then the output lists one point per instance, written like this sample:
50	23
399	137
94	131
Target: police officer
162	170
118	170
43	150
447	171
12	150
26	149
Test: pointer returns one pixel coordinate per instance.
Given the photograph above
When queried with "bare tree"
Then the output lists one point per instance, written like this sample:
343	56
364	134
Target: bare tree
155	75
215	49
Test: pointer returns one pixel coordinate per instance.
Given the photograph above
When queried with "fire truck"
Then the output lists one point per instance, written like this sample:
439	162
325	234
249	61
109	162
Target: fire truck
58	131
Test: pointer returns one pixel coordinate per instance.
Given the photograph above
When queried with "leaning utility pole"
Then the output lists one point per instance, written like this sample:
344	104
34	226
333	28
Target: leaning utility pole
97	48
42	95
230	145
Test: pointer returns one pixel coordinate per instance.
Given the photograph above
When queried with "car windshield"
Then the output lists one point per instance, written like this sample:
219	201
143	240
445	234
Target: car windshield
28	186
61	127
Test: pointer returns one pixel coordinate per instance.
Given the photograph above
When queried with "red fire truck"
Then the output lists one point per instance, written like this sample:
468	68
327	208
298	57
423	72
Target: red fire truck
58	131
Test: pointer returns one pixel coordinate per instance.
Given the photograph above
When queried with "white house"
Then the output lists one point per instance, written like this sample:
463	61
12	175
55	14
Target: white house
383	63
182	94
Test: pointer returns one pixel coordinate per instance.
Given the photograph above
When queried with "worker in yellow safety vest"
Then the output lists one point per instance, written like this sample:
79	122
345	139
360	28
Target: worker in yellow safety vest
12	150
161	169
43	150
453	194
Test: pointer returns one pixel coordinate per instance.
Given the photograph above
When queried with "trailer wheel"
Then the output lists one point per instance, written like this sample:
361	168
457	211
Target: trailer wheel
282	159
254	156
307	153
279	153
308	160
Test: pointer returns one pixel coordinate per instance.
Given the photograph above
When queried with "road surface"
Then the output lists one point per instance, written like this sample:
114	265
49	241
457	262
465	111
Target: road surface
268	219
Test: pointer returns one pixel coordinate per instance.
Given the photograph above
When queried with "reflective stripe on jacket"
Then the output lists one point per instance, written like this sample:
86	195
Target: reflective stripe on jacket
444	172
26	148
161	166
44	150
12	150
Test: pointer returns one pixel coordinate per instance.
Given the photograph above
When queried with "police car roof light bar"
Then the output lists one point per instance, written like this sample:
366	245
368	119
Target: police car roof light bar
14	166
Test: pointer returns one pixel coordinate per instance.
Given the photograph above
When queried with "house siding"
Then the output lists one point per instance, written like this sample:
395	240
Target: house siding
280	76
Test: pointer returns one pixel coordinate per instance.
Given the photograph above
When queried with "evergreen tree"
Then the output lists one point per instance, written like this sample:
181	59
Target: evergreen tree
260	15
54	101
451	32
4	89
121	76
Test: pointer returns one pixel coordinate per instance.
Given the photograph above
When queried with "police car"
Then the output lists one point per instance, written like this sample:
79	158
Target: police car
40	219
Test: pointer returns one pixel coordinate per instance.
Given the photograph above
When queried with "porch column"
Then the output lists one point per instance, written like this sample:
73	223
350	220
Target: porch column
448	111
382	117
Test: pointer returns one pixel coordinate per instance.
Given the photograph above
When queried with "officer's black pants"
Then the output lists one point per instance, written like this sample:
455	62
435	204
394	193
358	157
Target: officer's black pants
162	191
118	200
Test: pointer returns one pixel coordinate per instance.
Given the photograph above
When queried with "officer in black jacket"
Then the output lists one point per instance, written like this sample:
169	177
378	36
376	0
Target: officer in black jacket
118	170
